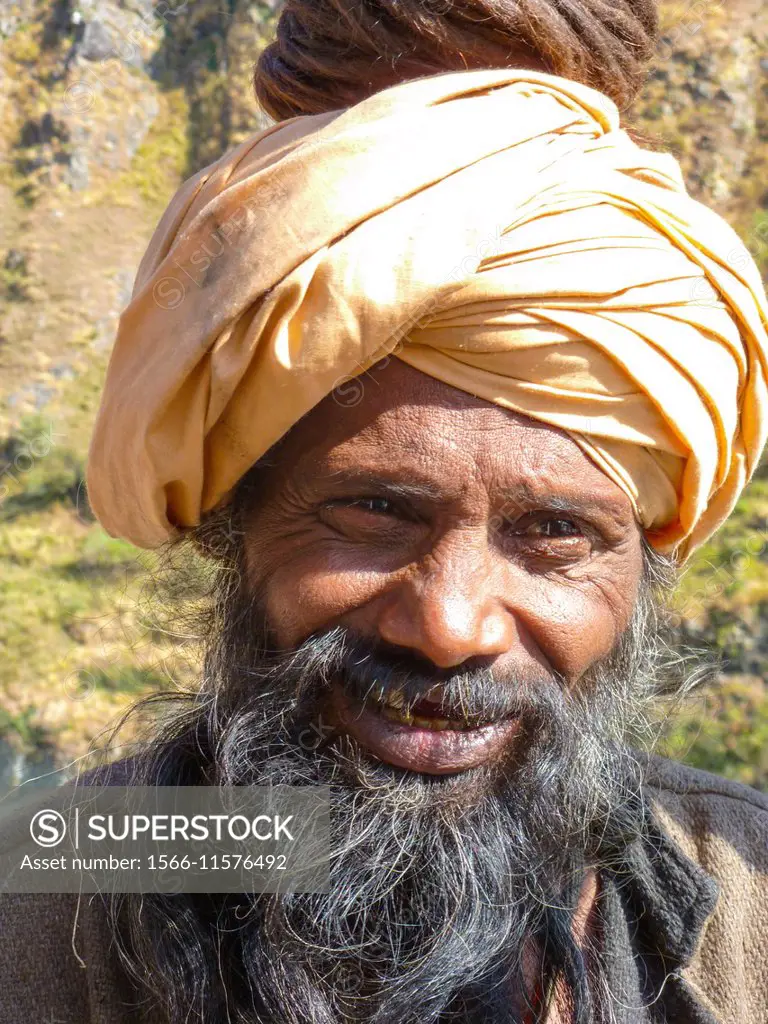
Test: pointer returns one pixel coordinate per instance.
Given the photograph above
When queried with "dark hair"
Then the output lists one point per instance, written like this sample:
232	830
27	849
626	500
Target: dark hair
330	54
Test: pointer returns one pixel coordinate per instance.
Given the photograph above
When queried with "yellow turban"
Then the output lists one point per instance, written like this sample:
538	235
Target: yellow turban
499	231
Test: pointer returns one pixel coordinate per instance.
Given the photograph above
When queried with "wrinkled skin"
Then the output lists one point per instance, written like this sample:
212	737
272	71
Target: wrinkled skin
438	523
417	545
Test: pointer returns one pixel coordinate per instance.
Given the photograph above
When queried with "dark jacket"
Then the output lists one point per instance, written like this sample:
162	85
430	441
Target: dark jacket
686	921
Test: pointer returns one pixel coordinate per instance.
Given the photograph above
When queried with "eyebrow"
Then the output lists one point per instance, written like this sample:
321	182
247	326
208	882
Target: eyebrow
419	490
422	491
525	495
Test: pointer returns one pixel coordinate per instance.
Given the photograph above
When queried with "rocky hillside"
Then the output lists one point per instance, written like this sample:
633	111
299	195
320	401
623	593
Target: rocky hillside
105	106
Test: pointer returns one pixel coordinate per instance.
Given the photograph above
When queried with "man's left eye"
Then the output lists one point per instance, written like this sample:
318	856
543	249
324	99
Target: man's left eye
555	527
552	538
378	506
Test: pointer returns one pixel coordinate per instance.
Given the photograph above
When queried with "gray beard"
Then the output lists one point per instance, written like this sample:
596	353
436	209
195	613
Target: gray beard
438	884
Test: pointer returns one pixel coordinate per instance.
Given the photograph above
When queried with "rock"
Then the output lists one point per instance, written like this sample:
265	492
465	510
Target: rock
111	144
256	15
137	123
124	280
106	326
106	109
700	90
97	43
703	67
8	23
128	32
77	176
144	8
31	767
15	260
41	395
62	371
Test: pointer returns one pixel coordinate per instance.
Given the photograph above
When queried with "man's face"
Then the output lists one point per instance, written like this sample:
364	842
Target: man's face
440	525
442	612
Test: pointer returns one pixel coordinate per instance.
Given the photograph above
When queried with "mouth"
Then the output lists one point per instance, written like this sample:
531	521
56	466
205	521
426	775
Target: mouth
423	736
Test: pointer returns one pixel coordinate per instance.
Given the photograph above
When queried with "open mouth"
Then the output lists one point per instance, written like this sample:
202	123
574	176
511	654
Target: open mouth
423	735
424	713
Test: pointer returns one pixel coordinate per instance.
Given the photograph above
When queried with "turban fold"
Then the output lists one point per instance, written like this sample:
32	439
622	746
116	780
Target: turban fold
497	230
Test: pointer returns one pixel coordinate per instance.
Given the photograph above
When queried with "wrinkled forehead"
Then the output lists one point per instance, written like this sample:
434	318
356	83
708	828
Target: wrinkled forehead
395	422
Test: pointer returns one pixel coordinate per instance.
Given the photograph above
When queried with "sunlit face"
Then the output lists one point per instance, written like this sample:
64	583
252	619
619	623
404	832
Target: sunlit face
438	523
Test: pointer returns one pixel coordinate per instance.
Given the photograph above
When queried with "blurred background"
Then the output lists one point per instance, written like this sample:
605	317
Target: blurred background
105	107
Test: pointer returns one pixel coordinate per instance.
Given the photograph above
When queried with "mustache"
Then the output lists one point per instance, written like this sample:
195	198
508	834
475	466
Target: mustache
374	672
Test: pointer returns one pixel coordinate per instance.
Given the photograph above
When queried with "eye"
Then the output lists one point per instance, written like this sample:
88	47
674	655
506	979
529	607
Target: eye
367	514
374	506
554	527
547	538
373	520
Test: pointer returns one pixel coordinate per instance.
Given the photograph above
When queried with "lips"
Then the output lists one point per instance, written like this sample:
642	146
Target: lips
421	737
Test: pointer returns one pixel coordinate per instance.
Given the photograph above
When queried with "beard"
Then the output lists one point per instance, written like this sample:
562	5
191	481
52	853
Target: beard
450	896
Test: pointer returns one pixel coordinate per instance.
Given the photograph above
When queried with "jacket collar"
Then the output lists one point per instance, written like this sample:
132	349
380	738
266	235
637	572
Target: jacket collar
654	905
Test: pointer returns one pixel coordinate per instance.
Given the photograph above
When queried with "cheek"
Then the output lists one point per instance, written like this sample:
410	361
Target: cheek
575	626
306	594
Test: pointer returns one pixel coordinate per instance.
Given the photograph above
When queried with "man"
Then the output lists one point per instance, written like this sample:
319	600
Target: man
444	385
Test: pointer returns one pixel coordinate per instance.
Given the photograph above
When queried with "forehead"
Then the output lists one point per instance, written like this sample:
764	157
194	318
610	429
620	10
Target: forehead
398	422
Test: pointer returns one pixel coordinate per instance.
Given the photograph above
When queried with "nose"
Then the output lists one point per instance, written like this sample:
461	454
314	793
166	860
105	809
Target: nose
450	607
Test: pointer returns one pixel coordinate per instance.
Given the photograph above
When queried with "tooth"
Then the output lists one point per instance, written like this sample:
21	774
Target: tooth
396	716
438	724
